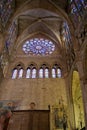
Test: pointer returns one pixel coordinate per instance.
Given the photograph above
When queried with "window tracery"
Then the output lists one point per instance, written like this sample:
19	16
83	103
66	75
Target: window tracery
32	72
44	71
56	71
17	72
38	46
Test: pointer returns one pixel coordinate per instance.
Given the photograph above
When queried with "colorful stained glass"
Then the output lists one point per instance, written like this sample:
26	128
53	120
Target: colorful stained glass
77	9
66	36
81	4
73	8
38	46
84	3
6	9
12	34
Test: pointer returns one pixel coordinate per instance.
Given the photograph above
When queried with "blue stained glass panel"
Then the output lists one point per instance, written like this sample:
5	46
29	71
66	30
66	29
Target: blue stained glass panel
38	46
66	36
77	8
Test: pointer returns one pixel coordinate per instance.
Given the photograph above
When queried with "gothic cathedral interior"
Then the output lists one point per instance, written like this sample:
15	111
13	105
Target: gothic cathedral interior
43	65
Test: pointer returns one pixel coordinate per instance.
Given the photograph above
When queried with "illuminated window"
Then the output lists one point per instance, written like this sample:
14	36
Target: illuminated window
31	72
34	71
28	73
66	36
38	46
41	73
20	75
58	72
14	74
46	73
66	32
53	73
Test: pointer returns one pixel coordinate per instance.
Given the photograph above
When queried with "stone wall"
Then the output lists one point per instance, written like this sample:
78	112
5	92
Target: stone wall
43	92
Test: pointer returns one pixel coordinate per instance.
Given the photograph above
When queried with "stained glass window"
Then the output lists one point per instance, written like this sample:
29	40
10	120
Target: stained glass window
59	73
6	9
34	71
56	71
66	36
38	46
28	73
14	73
46	73
77	9
41	73
31	72
20	75
53	73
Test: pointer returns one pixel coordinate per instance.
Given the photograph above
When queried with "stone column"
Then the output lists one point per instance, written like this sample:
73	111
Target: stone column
70	108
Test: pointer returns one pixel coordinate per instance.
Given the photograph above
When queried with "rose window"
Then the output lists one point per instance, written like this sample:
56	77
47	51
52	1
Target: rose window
38	46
